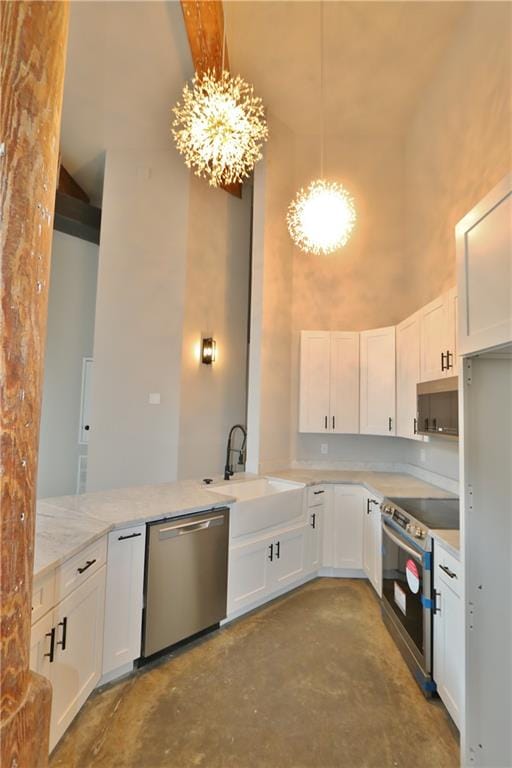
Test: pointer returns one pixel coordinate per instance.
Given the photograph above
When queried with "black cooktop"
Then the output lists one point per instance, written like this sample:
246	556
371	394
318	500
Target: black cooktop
442	514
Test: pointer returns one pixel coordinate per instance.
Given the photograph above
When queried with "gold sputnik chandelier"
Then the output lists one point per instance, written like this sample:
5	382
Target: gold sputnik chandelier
321	218
219	127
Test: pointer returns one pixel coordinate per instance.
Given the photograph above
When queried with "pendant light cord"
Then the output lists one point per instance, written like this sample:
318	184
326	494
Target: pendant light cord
322	121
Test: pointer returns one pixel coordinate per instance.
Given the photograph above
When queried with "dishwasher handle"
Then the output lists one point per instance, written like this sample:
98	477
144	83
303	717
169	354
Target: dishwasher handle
180	529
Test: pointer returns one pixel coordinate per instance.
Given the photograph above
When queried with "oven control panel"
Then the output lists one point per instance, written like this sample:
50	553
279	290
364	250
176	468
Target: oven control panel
403	521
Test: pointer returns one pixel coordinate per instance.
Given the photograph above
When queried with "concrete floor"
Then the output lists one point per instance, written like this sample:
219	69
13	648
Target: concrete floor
312	680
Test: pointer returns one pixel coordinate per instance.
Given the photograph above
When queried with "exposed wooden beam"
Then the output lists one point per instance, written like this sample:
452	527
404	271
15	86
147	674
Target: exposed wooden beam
33	38
74	217
204	22
70	187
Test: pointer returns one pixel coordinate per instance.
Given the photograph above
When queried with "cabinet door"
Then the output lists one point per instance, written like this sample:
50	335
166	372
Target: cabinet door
448	648
348	526
248	575
484	270
288	565
407	376
372	548
433	339
344	410
40	645
78	657
314	533
123	598
314	381
378	394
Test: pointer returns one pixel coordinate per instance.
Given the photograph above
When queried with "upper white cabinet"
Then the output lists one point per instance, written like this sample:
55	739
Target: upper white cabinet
438	338
123	599
484	271
329	382
344	398
407	375
377	411
315	372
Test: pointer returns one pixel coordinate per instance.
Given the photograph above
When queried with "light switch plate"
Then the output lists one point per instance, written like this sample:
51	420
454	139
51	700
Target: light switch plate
324	448
154	398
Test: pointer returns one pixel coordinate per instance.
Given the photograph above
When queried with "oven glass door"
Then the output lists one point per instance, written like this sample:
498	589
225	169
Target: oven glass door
402	586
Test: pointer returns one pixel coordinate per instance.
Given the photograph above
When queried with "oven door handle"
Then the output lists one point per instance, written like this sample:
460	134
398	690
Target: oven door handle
401	543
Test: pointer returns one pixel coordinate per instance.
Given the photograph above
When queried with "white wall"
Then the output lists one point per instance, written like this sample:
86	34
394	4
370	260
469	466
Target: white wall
69	338
213	397
269	414
139	318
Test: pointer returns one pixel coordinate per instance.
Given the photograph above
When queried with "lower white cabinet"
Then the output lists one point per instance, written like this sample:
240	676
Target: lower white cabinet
448	631
66	647
348	521
124	598
260	567
314	536
372	542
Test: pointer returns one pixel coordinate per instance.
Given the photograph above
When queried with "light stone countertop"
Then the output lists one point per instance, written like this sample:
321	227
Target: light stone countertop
67	524
450	540
389	484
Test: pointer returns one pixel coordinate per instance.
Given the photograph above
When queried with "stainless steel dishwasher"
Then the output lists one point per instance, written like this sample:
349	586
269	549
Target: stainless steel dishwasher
186	577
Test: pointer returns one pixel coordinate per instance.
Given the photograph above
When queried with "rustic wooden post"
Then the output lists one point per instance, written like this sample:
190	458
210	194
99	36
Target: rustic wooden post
33	45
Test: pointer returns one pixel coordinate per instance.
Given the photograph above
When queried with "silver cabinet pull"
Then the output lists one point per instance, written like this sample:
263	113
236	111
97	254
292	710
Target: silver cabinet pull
181	528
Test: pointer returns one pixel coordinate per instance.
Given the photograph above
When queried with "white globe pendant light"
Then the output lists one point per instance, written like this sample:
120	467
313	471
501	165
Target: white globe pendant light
321	217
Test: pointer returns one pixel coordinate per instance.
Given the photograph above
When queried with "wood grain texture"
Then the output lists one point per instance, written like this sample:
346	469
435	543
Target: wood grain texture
33	40
204	22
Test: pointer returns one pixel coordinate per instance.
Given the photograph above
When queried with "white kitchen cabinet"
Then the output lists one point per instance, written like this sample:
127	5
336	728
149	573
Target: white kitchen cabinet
407	376
123	598
314	381
438	337
315	515
448	653
372	542
329	382
344	383
66	647
248	574
484	268
288	565
378	395
78	656
41	644
348	521
261	567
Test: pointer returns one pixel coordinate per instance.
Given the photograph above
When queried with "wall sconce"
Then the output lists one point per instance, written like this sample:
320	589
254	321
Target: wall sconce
208	351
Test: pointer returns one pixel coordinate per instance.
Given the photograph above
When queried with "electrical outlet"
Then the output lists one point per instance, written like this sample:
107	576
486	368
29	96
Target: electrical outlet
154	398
423	455
324	448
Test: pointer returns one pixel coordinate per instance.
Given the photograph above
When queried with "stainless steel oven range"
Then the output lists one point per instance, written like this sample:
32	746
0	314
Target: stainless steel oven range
407	590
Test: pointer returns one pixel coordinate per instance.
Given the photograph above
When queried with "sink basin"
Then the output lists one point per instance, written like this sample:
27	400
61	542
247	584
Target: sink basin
253	489
262	504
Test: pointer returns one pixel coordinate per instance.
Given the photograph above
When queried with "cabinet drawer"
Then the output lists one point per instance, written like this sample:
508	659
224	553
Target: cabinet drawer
448	569
78	568
43	595
316	496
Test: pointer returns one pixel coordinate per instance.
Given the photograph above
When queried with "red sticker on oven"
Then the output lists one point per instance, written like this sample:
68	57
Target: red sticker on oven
413	576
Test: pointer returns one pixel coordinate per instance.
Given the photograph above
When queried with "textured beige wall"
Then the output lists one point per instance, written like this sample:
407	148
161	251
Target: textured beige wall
271	309
459	143
216	304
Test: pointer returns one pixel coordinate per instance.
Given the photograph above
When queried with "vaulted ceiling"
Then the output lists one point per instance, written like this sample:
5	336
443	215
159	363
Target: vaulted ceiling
377	56
127	62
